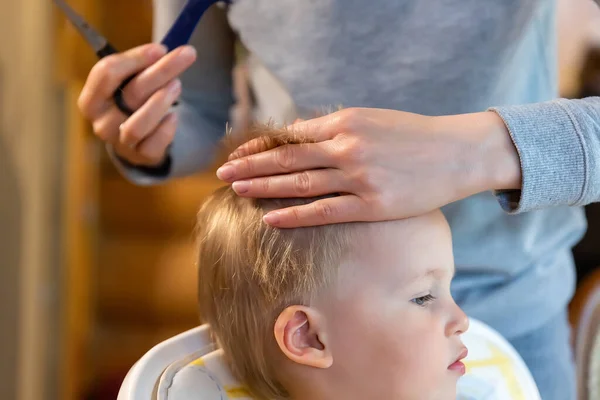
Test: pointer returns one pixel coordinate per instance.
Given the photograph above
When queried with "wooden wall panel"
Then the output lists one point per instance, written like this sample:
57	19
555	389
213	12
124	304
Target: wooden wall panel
578	28
167	209
80	238
143	280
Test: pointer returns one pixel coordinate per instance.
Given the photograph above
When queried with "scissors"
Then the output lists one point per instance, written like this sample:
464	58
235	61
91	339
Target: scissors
179	34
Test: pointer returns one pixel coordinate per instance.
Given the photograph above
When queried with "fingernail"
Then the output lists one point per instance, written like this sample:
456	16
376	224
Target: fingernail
225	172
241	187
187	52
272	218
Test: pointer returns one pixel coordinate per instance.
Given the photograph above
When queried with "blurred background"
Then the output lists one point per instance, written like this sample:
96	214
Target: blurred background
93	270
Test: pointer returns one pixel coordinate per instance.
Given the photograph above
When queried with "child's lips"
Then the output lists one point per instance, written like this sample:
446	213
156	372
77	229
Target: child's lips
457	365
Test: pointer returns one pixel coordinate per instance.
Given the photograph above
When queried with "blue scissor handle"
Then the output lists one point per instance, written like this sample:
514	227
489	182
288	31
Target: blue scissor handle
182	29
178	35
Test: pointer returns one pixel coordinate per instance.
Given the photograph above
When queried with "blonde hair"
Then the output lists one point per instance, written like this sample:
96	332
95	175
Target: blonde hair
248	273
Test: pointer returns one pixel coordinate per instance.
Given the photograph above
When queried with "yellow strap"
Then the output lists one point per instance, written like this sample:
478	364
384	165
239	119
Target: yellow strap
199	362
504	364
237	392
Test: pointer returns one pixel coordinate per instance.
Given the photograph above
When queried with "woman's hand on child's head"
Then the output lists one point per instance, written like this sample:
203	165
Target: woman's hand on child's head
385	164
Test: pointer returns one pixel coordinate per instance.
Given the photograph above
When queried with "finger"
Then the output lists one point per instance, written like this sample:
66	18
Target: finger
254	146
156	76
128	154
106	126
152	150
301	184
325	127
280	160
149	116
313	130
347	208
108	74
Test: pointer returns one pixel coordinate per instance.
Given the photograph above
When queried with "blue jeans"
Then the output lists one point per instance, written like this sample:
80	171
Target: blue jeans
547	352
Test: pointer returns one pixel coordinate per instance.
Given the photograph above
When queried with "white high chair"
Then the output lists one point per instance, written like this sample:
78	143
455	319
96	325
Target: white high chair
143	378
190	367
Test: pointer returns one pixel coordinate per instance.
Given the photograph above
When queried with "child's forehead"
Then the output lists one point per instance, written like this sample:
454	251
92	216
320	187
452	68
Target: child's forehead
403	250
398	237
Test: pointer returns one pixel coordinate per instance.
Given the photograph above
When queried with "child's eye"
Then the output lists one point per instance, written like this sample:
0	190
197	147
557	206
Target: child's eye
423	300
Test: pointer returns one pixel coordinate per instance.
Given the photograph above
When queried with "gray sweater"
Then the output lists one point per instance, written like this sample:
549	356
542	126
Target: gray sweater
512	250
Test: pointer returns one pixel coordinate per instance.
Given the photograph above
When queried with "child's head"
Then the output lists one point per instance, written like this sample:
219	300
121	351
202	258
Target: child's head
352	311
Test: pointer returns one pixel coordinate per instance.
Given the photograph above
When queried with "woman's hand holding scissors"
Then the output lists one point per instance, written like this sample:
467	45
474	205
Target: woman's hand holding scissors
142	138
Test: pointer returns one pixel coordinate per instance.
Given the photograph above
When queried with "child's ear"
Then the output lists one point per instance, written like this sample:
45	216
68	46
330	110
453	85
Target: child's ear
301	336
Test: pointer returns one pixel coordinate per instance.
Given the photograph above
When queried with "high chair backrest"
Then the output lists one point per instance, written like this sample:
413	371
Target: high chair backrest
190	367
143	378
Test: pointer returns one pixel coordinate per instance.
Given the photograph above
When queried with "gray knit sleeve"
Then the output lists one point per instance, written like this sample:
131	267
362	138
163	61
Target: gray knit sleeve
559	148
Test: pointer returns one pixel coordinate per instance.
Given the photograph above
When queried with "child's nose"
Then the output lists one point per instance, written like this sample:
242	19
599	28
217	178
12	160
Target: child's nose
459	322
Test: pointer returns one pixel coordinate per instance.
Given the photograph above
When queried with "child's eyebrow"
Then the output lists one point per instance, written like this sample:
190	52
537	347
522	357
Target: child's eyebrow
435	272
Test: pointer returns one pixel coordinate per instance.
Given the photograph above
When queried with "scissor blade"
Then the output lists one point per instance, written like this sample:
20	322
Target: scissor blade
97	41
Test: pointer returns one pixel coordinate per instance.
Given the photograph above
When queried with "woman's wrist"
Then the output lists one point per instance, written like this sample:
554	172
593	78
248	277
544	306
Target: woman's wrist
500	157
490	160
